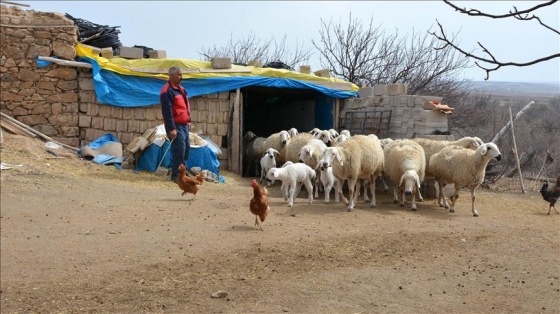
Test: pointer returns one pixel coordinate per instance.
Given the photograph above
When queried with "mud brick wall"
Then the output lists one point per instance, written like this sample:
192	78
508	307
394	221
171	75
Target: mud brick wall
408	117
43	98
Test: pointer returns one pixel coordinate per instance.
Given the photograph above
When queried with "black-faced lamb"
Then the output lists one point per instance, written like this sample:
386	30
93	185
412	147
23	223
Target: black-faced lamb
462	167
405	165
360	157
268	161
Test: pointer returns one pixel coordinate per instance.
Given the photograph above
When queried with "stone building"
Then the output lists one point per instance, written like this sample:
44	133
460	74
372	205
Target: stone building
60	101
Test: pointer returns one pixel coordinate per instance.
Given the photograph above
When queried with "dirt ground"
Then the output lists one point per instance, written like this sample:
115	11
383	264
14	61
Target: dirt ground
77	237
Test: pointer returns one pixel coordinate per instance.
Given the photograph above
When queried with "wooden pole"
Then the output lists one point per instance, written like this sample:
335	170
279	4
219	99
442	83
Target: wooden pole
516	155
235	163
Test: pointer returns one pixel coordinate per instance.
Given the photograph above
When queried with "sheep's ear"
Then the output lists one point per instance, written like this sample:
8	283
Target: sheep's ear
417	178
402	179
310	151
276	173
338	157
484	150
275	151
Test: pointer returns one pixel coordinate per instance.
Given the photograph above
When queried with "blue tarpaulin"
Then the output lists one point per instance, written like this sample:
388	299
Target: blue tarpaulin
136	91
202	157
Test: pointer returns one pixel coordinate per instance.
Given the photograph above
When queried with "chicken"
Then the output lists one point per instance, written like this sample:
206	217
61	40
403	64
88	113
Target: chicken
551	196
188	184
259	204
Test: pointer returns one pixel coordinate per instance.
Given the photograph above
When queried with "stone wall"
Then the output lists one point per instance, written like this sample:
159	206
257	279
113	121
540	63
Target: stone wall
408	117
60	101
44	98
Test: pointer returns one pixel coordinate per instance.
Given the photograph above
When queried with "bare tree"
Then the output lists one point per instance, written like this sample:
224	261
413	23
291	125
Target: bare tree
493	63
249	48
371	56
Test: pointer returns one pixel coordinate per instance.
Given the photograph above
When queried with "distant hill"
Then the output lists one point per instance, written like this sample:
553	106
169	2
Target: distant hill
517	88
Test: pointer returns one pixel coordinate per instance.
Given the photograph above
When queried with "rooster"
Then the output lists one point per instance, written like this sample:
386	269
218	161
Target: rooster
259	204
551	196
189	184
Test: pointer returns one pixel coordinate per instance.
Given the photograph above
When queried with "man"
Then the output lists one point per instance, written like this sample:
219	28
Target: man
176	112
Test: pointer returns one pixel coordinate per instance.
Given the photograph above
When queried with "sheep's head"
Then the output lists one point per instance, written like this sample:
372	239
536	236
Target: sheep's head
329	156
271	174
345	132
284	137
270	152
305	153
491	151
325	137
249	136
293	132
410	180
315	131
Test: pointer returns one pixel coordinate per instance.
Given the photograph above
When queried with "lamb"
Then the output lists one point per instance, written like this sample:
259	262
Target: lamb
268	161
462	167
277	141
328	181
405	163
310	155
293	146
253	152
360	157
292	176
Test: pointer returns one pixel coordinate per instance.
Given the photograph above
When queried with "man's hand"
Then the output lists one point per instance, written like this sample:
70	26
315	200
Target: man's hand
172	134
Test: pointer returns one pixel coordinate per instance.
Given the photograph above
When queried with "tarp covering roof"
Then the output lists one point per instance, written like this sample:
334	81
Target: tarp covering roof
137	82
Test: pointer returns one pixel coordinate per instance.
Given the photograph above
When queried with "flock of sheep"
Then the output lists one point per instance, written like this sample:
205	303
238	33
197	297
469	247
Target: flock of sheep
325	159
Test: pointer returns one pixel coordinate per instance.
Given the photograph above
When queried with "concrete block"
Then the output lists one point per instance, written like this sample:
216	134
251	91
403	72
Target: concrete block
221	63
157	54
379	90
107	52
131	52
323	73
306	69
431	116
365	92
255	63
396	89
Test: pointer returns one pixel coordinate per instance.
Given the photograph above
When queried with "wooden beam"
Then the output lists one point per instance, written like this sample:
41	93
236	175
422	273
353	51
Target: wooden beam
516	155
15	3
235	138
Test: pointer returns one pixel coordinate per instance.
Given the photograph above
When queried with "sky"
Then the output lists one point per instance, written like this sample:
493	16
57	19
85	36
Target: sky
185	28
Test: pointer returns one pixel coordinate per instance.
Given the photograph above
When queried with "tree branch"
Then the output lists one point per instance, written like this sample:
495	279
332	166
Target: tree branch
448	43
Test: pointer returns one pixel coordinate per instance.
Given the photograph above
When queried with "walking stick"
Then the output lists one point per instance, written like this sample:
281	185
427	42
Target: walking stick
162	158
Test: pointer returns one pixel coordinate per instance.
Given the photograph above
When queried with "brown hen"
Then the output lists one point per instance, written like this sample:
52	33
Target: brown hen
259	204
188	184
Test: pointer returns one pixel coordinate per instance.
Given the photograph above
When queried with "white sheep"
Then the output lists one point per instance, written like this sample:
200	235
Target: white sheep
405	163
314	131
284	188
462	167
252	152
385	141
334	133
341	138
310	155
346	133
277	141
293	132
431	147
360	157
268	161
328	180
292	176
324	136
293	146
